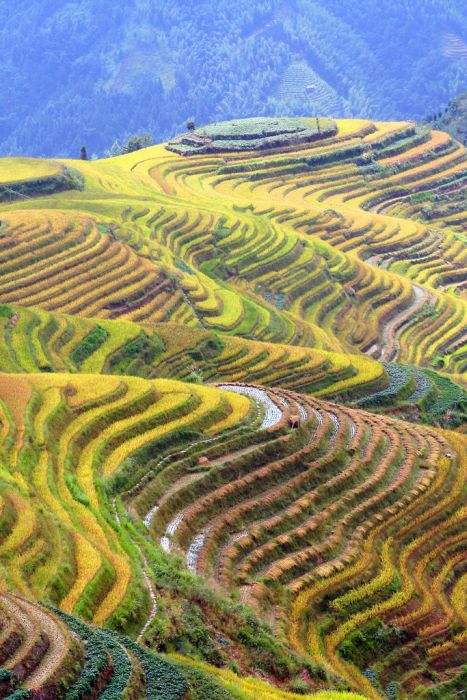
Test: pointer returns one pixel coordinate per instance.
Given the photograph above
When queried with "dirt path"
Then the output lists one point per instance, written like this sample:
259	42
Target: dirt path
147	580
151	590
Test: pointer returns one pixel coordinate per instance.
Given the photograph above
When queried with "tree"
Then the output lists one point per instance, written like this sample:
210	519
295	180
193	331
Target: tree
137	142
190	125
83	153
115	150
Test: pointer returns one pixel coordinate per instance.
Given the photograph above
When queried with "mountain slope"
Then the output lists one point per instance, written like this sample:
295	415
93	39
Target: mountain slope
87	72
232	416
454	119
270	247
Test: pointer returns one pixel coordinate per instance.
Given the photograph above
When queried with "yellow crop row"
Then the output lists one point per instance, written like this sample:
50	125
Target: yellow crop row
169	401
232	310
20	347
457	642
366	590
18	562
458	596
88	563
253	689
116	595
239	408
327	585
367	371
397	599
441	601
438	138
52	556
25	526
426	590
84	469
119	334
93	540
104	541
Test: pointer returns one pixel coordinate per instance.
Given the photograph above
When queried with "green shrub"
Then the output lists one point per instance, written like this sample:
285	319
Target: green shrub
75	489
75	178
194	378
6	311
299	685
366	644
89	345
142	351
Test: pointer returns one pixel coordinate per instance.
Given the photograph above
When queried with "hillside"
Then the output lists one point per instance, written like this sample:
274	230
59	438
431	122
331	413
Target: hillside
233	416
90	73
454	119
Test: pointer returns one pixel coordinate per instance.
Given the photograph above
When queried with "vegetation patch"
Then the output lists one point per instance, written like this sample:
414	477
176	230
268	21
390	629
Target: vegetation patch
89	345
251	135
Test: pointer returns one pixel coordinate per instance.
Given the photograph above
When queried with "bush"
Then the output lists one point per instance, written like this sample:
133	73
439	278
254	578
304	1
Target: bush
75	489
194	378
75	178
141	349
299	685
5	311
137	142
365	645
89	345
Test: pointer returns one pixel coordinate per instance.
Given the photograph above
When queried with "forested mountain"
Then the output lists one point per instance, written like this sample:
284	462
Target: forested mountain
453	119
92	71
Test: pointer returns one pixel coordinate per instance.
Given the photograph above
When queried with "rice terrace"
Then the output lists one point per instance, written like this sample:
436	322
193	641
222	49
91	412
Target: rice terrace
233	416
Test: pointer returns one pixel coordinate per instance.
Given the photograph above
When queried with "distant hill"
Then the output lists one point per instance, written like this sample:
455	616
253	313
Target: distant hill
454	119
94	71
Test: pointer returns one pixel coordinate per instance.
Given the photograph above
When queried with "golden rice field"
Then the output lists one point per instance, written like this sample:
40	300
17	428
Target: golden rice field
233	420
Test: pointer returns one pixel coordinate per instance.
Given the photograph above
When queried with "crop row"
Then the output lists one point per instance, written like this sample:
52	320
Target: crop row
76	432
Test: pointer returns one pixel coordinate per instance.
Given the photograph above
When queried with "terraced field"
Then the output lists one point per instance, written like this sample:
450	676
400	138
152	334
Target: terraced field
51	653
232	417
66	343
